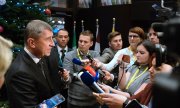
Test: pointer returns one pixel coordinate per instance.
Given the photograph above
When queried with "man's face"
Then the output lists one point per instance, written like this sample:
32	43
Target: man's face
62	38
84	43
116	43
42	45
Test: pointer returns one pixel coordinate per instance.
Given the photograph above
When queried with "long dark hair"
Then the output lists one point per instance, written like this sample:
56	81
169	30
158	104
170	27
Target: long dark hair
150	47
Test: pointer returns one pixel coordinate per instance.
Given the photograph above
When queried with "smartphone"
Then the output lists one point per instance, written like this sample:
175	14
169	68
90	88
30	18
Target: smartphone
126	58
52	102
133	104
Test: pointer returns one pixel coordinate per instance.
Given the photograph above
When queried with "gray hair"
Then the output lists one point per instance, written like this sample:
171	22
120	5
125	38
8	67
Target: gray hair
34	28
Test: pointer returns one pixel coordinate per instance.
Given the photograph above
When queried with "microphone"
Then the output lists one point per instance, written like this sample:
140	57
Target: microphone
90	58
88	80
126	58
86	67
90	70
77	61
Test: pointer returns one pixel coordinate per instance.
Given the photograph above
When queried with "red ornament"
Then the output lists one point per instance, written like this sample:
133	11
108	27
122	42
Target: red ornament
48	11
1	29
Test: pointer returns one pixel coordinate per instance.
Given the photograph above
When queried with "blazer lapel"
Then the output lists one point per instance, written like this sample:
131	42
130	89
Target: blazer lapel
46	71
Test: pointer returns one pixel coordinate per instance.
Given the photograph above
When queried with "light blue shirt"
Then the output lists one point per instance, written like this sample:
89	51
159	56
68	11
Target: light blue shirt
114	62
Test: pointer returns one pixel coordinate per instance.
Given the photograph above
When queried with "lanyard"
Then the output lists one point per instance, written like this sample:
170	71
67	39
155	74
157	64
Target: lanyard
78	54
133	57
134	77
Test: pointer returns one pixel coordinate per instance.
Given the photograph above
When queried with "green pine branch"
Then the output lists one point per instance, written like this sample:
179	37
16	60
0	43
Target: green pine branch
15	16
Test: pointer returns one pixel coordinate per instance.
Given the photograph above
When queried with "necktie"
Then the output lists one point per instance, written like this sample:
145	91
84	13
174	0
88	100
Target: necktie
63	54
42	68
44	72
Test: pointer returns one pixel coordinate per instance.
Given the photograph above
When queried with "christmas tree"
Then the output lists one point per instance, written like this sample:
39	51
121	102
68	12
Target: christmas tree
15	14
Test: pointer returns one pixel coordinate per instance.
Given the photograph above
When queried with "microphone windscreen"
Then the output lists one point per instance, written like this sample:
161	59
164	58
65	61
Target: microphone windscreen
77	61
90	70
86	78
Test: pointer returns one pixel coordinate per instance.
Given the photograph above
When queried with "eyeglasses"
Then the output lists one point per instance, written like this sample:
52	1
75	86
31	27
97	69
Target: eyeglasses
134	36
154	33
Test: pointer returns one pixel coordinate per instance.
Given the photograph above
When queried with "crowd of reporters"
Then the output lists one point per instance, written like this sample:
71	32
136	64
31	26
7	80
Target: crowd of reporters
85	87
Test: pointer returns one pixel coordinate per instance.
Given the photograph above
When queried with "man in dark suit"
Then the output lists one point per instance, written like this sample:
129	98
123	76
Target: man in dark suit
61	48
28	79
56	59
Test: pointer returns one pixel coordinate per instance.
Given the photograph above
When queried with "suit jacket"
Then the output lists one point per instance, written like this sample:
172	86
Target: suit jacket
78	93
53	62
107	55
26	84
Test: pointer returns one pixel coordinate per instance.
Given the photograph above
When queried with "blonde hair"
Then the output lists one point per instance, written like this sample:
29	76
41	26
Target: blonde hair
5	55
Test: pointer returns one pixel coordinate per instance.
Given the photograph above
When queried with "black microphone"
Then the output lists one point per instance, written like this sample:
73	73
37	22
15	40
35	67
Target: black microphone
88	80
90	58
77	61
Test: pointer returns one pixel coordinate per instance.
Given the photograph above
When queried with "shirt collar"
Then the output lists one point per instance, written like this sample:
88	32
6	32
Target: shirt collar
81	53
35	59
59	48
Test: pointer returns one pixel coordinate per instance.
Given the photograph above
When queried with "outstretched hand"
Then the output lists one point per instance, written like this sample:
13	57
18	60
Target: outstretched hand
113	100
105	88
107	76
98	98
96	63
